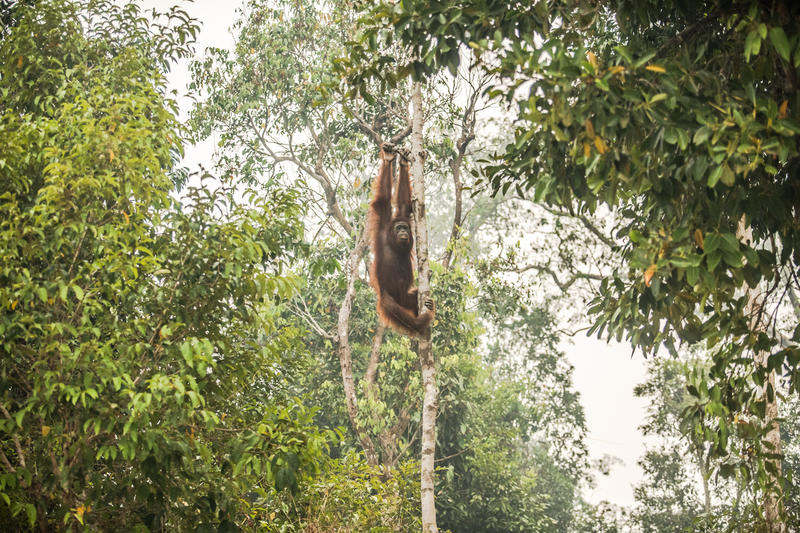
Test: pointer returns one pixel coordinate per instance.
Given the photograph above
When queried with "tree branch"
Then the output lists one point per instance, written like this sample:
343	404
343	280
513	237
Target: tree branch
15	437
563	285
588	224
6	462
371	131
318	174
401	135
362	124
467	135
305	314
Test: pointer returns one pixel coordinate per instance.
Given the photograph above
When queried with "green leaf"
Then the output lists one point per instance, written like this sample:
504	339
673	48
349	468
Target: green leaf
734	260
685	262
713	260
644	59
683	139
713	178
778	38
30	510
692	275
187	352
727	176
752	45
730	243
701	135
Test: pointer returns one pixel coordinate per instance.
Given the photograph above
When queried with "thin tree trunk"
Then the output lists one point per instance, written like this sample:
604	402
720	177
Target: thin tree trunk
467	135
772	498
374	359
429	401
754	312
345	355
704	472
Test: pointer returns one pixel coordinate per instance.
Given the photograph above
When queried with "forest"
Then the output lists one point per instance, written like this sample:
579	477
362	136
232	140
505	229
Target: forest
325	278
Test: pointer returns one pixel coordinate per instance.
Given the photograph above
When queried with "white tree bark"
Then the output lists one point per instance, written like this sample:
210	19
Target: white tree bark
429	401
345	356
754	312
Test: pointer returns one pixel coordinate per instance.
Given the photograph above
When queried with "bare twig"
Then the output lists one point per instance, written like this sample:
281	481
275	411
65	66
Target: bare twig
588	224
305	314
6	462
465	450
15	437
563	285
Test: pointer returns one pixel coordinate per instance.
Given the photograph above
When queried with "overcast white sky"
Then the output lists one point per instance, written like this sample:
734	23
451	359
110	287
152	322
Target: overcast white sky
605	374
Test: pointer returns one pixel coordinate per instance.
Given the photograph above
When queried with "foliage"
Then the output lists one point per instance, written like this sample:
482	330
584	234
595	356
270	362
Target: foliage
348	495
667	499
790	437
489	483
683	462
601	518
265	95
138	348
503	405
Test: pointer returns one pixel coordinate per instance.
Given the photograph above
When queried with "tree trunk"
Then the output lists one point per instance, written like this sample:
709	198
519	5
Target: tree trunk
754	312
702	462
429	401
772	505
345	356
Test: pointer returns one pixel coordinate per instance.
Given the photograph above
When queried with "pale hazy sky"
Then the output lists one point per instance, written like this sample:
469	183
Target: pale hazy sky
605	374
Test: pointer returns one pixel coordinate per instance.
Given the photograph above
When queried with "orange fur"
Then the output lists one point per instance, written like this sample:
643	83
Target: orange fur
392	273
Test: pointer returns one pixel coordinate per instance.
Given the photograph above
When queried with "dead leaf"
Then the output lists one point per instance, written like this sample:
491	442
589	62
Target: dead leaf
589	128
649	273
655	68
698	238
600	145
592	59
